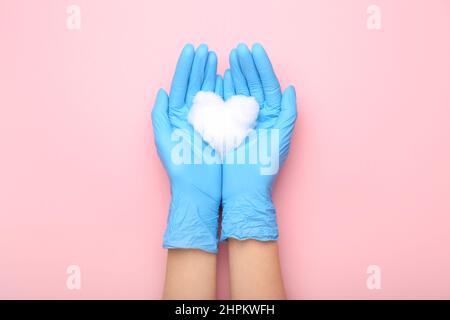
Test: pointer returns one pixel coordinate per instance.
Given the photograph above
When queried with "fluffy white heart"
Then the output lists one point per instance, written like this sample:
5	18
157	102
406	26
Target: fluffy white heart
223	124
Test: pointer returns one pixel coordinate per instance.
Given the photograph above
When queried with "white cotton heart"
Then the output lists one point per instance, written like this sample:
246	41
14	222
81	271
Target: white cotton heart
223	124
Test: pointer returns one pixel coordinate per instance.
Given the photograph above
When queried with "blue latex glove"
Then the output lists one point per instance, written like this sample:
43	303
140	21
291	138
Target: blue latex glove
195	188
248	211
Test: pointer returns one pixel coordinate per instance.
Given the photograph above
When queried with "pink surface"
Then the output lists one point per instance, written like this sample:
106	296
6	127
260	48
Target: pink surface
367	181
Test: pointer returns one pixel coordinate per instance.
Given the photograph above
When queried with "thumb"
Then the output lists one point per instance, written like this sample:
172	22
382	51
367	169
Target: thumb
286	121
288	113
162	128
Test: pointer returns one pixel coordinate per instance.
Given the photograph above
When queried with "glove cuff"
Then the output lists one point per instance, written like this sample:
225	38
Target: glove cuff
249	217
192	224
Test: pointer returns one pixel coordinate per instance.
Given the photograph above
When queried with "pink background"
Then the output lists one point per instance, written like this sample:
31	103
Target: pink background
367	181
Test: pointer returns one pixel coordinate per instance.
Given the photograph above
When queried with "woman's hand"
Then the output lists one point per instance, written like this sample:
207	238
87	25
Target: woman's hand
248	211
195	187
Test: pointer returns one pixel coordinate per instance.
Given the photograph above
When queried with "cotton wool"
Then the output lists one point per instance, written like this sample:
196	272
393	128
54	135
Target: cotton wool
223	124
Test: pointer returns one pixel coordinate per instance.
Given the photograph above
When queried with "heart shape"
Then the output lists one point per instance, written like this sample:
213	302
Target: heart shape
223	124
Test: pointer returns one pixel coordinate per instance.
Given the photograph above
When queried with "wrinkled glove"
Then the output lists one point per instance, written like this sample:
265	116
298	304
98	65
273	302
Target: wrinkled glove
195	188
248	210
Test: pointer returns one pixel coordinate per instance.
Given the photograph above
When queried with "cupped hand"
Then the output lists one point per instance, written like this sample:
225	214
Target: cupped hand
248	211
195	187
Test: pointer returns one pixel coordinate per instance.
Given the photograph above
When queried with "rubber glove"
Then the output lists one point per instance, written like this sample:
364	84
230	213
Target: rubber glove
248	210
195	188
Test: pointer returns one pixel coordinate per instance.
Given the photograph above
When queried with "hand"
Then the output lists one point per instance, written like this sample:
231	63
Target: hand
248	211
195	188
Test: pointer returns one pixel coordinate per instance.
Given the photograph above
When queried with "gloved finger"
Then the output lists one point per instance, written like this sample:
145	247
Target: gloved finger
197	73
270	83
180	79
240	84
228	86
162	128
288	113
250	73
209	83
286	122
219	86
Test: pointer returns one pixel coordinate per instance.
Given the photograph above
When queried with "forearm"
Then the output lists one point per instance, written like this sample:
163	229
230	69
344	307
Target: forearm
255	271
190	274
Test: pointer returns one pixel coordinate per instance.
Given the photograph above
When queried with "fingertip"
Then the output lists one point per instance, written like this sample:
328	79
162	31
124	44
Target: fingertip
201	54
235	66
161	101
260	56
212	56
242	48
219	85
244	53
202	48
289	96
290	90
209	80
161	94
228	86
188	49
227	79
160	105
289	99
258	49
233	56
